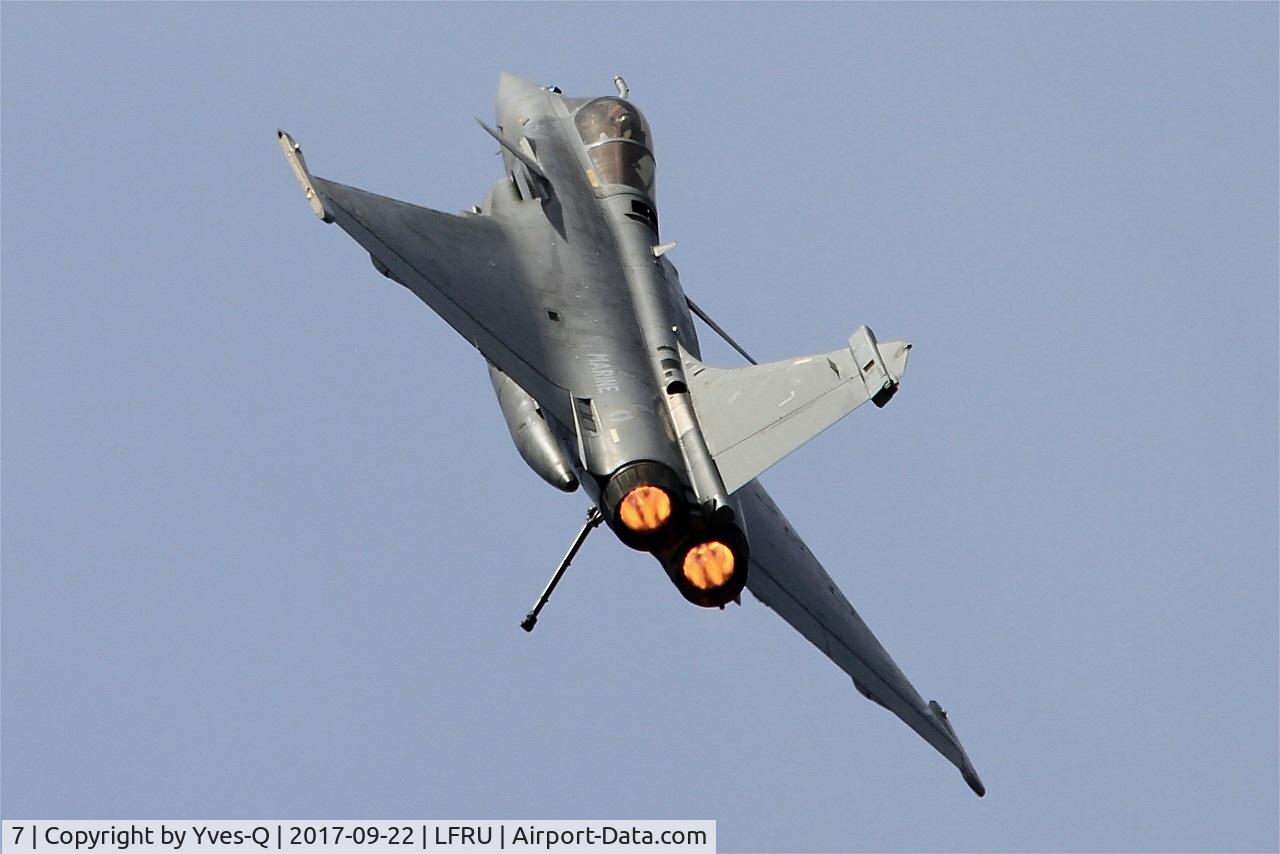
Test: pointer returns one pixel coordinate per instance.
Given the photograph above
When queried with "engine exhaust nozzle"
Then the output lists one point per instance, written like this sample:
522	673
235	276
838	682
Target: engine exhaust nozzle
644	505
710	569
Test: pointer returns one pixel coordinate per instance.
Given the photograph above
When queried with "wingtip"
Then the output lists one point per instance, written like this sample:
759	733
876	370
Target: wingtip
962	762
293	154
971	777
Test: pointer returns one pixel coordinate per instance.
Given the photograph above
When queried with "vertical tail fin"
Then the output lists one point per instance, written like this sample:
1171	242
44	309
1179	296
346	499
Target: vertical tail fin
753	417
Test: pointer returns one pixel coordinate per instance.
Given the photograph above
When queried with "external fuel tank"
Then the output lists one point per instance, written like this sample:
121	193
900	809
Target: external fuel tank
531	433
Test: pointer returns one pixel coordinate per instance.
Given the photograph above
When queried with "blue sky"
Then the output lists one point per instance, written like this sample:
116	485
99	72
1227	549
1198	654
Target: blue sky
266	543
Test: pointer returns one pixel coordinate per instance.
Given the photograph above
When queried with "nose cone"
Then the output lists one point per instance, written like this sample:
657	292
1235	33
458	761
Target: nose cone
519	100
513	88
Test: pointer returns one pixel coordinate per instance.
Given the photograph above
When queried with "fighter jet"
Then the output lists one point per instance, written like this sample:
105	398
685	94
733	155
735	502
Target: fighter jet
561	281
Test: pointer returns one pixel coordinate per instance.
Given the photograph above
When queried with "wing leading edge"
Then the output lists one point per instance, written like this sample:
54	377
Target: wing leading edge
464	267
786	576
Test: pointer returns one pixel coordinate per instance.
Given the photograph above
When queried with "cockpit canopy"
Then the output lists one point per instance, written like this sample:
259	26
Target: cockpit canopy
611	118
617	140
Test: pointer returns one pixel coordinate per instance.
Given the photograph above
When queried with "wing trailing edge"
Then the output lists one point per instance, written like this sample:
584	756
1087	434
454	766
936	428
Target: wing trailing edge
787	577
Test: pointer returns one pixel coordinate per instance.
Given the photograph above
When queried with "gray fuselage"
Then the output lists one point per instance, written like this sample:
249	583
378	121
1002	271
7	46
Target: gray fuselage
613	314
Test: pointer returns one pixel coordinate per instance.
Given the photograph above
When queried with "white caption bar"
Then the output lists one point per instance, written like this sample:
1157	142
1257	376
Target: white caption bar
401	837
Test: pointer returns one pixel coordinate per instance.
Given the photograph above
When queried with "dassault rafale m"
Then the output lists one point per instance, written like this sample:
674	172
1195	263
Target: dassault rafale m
560	280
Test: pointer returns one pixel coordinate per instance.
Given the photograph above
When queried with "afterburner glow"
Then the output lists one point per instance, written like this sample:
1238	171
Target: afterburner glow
645	508
708	565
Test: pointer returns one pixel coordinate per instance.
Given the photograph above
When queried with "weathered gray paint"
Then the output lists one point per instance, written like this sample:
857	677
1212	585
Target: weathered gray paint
564	294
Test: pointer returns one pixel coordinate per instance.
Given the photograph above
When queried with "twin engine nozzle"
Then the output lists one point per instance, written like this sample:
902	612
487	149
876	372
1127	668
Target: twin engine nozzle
645	505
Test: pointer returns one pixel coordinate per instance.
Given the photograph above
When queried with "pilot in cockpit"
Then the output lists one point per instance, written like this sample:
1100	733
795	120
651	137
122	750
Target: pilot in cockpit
617	141
609	118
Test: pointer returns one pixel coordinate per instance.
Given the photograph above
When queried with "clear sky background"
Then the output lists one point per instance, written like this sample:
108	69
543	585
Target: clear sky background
266	542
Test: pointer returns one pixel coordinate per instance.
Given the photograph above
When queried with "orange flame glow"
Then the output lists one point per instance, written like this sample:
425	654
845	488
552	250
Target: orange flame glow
645	508
708	565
